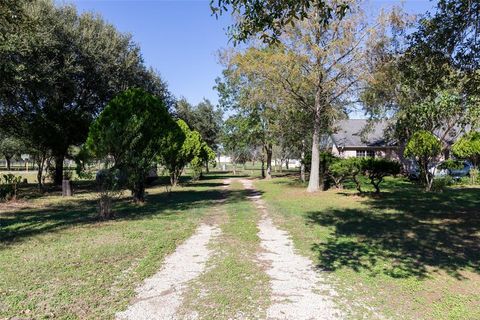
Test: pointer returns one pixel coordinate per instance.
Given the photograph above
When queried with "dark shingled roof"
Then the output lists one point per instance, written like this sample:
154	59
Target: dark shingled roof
349	134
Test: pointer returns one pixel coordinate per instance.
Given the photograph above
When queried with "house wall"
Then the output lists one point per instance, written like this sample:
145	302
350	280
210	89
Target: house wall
388	153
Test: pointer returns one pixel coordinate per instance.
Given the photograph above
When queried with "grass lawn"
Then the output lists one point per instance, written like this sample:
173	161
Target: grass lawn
407	253
58	261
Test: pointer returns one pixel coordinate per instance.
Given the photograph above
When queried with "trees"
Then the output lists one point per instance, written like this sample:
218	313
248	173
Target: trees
62	70
255	97
181	152
268	18
204	118
205	157
468	147
317	69
133	129
424	147
235	138
430	81
10	147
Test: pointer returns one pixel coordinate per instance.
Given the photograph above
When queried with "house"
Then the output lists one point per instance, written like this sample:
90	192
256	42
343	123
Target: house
351	139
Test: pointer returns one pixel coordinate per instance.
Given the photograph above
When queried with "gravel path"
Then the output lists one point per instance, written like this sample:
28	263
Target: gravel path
161	295
298	291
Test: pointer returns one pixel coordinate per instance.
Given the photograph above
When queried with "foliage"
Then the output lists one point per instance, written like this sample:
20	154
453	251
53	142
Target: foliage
441	183
346	168
206	156
133	129
10	147
61	69
110	183
468	147
424	147
268	18
9	186
377	169
183	147
204	118
338	171
315	71
474	176
428	79
451	164
236	136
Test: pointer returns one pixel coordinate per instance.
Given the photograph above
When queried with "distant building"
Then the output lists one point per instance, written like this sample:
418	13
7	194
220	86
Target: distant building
352	140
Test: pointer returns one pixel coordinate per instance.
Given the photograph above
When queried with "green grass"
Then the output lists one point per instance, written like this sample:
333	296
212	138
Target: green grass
407	253
58	260
235	286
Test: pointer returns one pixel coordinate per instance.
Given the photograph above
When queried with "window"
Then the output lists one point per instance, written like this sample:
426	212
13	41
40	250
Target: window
365	154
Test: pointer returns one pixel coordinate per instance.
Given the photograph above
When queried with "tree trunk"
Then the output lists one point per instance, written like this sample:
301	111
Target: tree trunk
314	181
207	169
58	177
138	192
268	150
8	160
263	169
174	178
286	164
302	162
67	189
41	164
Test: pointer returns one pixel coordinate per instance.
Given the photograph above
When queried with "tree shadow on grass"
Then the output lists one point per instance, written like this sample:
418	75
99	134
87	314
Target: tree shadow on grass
22	224
404	234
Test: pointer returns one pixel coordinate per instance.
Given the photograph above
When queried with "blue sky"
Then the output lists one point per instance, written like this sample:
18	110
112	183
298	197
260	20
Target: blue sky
180	38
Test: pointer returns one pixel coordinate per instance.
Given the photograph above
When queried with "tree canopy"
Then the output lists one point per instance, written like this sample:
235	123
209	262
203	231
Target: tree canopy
424	147
60	70
134	129
267	18
468	147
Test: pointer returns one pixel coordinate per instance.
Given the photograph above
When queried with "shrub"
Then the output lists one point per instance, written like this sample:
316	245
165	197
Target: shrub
9	187
377	169
439	184
345	168
110	183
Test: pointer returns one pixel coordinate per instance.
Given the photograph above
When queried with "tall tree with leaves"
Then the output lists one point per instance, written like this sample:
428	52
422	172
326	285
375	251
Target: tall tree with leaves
431	81
62	70
134	129
318	68
204	118
236	137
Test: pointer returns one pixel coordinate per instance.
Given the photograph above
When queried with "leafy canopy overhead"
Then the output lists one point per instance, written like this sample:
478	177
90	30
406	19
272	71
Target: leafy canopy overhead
268	18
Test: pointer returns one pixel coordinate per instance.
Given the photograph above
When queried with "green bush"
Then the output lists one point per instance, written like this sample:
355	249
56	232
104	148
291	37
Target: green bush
439	184
9	187
342	169
377	169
